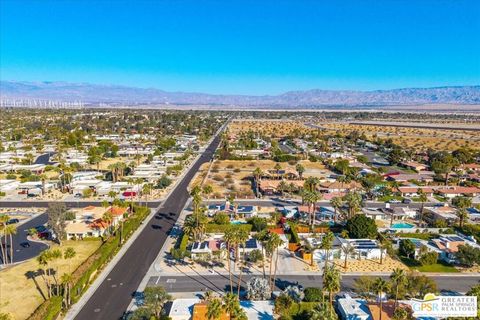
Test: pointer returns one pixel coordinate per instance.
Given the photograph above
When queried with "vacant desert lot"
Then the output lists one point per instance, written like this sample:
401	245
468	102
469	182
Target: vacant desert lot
16	288
412	137
270	127
235	176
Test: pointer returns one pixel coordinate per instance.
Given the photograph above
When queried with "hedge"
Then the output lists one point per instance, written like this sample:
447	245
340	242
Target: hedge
48	310
222	228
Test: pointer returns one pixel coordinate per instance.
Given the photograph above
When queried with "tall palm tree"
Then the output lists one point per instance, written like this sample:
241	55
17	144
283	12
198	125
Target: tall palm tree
398	278
327	244
310	198
214	309
381	287
262	237
331	283
462	216
107	217
337	203
277	169
3	235
273	243
347	250
354	203
10	230
230	238
257	173
422	197
66	280
43	260
230	301
300	170
242	237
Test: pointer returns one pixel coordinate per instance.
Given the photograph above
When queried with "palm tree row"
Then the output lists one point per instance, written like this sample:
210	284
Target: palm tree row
6	231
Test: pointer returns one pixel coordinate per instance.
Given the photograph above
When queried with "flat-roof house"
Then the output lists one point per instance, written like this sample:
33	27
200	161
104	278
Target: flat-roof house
353	309
445	213
182	309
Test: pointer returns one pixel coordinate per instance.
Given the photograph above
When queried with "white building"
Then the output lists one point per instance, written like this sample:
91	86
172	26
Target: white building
353	309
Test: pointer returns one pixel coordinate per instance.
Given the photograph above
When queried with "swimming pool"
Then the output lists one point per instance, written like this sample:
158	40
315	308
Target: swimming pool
402	225
237	222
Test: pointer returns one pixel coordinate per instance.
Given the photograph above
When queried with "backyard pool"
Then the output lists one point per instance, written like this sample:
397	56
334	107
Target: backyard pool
402	225
237	222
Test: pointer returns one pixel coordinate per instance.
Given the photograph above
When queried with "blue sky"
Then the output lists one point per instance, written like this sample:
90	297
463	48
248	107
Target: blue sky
244	47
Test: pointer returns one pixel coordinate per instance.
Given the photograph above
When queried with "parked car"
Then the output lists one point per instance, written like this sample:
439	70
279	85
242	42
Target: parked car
407	201
25	244
393	201
12	221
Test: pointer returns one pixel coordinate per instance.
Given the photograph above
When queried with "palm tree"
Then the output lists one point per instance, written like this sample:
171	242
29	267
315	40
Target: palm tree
311	184
384	244
300	170
3	225
327	244
9	231
337	203
354	203
66	280
262	237
381	286
272	245
230	301
398	278
331	282
310	198
347	250
43	260
257	173
242	237
462	216
107	217
422	197
277	169
214	309
229	237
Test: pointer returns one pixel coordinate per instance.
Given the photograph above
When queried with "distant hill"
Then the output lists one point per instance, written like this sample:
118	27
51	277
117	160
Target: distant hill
113	94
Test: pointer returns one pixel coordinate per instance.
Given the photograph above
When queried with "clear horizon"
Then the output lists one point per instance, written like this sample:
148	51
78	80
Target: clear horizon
243	47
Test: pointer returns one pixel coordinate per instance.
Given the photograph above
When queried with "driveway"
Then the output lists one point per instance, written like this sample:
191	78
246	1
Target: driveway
19	253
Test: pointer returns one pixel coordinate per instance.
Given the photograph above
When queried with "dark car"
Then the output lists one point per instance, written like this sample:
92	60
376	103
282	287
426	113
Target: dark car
25	244
407	201
12	221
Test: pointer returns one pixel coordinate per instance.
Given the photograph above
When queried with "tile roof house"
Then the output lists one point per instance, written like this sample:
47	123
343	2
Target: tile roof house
453	191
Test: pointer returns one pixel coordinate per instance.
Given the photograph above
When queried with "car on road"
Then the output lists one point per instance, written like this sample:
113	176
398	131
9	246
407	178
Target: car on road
25	244
393	201
407	201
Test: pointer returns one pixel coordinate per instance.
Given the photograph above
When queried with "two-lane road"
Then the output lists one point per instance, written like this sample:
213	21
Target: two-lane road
114	294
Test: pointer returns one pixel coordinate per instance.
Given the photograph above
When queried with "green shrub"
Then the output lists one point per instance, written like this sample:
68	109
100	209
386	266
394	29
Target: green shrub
48	310
221	218
295	238
258	224
313	294
428	258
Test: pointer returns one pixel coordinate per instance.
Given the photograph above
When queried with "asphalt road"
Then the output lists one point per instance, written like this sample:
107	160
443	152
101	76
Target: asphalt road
113	296
20	253
69	204
221	282
44	158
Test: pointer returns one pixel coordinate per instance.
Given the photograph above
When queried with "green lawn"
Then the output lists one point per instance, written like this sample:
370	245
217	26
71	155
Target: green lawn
440	266
390	197
414	235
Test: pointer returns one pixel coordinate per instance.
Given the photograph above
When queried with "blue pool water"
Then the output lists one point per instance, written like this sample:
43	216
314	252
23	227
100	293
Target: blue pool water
402	225
237	222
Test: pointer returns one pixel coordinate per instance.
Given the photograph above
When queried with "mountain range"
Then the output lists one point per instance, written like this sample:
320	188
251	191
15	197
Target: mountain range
95	94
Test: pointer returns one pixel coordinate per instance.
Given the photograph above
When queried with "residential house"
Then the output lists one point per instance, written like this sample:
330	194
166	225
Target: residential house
413	165
205	249
454	191
412	191
182	309
353	309
448	246
444	213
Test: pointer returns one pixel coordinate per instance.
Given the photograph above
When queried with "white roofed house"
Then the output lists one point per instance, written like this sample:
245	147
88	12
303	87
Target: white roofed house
353	309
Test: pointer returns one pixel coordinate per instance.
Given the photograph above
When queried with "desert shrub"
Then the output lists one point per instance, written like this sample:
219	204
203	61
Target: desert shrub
313	294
